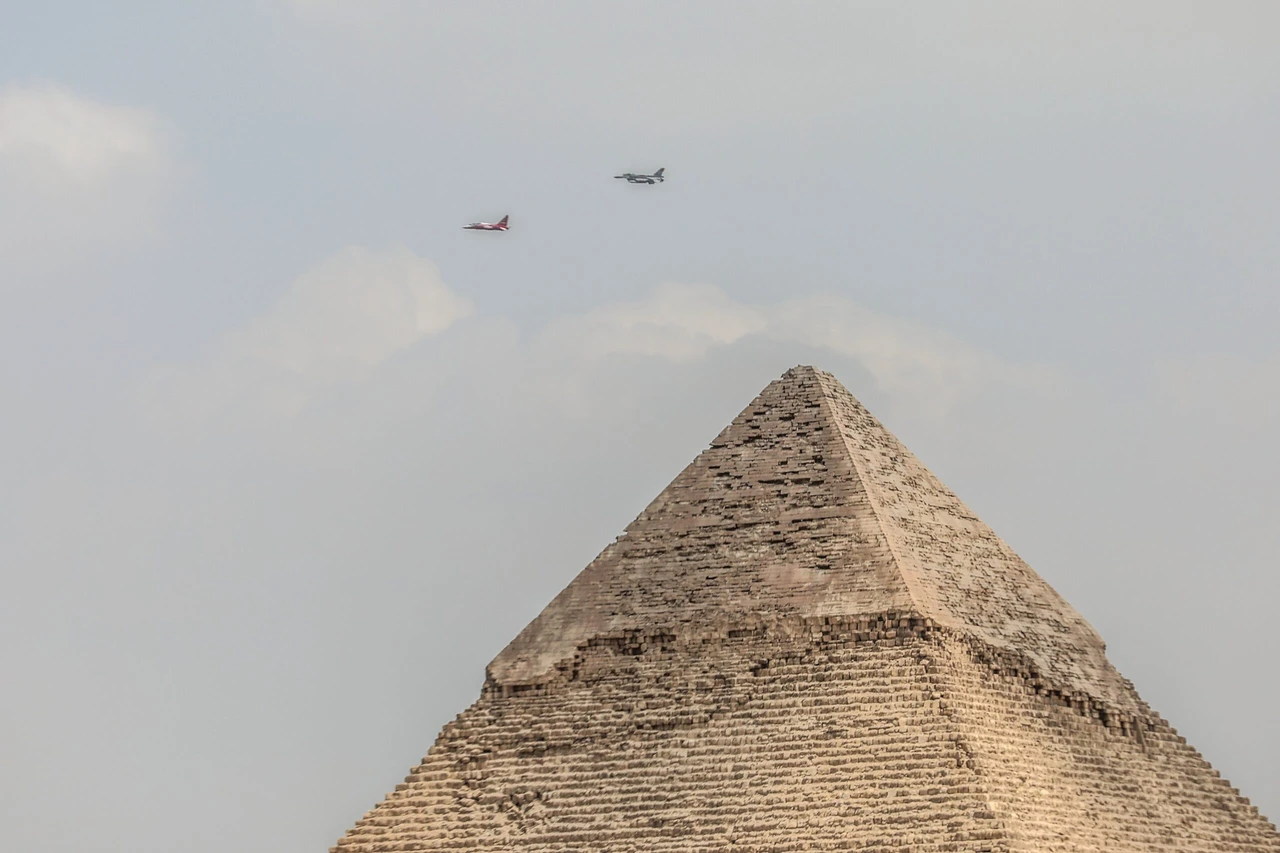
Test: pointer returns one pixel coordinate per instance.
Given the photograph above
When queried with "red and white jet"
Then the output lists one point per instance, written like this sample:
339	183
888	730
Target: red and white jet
500	225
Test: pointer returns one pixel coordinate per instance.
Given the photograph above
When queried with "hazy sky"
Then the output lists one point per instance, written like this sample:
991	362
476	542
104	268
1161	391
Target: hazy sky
288	457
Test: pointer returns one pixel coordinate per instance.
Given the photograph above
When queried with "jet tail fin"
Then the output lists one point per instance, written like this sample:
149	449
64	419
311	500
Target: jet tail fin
658	174
502	221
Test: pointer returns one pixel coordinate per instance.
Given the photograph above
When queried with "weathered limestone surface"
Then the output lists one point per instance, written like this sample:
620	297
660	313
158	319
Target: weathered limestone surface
807	642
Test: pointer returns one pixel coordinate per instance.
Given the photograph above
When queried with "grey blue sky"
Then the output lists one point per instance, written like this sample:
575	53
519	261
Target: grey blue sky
288	456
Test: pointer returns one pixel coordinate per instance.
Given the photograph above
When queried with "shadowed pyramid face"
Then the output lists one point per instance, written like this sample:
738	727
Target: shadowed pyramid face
808	642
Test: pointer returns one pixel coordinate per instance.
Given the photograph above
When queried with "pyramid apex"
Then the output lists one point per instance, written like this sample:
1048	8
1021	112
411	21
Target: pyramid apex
805	371
807	374
806	507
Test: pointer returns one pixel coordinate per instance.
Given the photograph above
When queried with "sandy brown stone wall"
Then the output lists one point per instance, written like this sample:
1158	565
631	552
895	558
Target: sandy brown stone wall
877	734
1065	774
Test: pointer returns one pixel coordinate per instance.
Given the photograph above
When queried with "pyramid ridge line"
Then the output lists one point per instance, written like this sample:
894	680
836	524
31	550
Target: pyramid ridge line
895	549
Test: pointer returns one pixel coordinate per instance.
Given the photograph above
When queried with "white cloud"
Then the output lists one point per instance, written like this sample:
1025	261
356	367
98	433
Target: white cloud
902	357
680	323
677	323
80	181
353	312
55	136
339	322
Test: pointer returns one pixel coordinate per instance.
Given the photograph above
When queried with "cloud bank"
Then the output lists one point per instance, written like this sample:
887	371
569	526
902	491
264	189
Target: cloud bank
338	322
345	318
79	180
680	323
52	135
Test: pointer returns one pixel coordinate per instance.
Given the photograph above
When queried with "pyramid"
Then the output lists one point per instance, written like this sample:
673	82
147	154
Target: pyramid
807	642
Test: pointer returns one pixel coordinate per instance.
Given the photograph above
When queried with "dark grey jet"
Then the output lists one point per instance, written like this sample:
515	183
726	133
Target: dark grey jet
655	178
